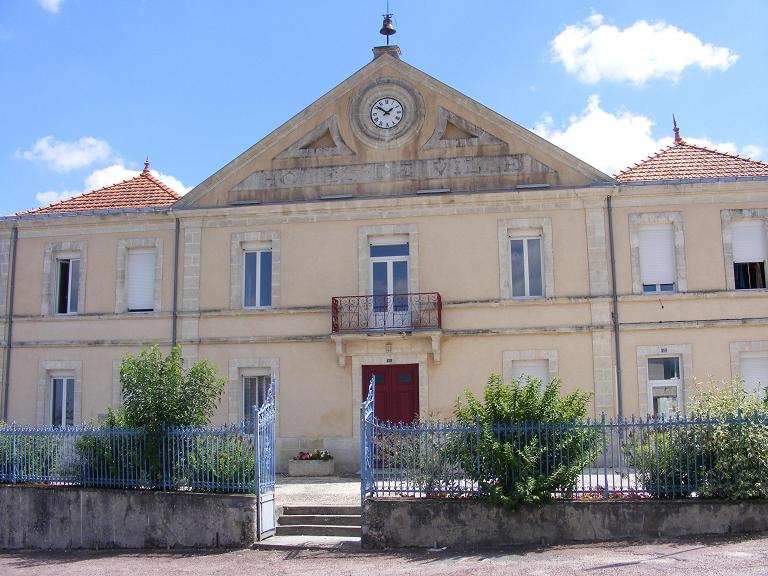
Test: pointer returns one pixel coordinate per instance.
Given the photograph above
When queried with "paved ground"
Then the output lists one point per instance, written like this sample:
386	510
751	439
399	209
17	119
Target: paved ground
710	557
330	490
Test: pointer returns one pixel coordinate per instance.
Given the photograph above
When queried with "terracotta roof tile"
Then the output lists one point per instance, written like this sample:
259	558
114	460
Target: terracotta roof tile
143	191
683	161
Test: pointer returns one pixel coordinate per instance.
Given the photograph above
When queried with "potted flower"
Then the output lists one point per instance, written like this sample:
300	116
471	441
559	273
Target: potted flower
313	463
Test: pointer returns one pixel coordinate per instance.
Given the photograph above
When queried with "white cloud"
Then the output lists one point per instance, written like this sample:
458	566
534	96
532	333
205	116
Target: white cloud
614	141
594	51
50	5
106	177
66	156
45	198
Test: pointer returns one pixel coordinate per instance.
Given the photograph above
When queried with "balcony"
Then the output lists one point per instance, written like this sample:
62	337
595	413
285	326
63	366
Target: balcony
386	313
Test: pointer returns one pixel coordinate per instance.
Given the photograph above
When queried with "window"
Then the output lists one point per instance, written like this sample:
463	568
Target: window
62	401
535	368
140	281
526	258
389	275
754	372
525	266
255	390
749	254
657	259
67	285
257	278
664	385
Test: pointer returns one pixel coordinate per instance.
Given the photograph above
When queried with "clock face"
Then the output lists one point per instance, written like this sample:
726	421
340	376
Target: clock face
386	112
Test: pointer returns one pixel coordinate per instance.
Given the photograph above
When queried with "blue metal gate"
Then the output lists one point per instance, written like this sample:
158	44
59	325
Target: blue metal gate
264	463
367	420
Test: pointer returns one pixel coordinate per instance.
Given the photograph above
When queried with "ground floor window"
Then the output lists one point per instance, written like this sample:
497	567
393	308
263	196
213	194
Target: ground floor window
62	401
754	372
664	385
534	368
255	390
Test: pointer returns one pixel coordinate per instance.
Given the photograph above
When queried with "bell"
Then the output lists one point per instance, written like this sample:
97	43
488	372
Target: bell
387	29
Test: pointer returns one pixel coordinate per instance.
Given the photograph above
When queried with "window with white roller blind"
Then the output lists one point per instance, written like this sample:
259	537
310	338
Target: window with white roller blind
533	368
657	259
754	372
140	280
749	254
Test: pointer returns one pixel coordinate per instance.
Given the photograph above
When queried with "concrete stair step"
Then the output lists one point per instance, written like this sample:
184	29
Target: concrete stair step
320	510
320	520
315	530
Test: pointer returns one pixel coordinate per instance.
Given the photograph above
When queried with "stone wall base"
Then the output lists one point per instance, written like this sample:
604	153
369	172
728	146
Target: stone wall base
420	522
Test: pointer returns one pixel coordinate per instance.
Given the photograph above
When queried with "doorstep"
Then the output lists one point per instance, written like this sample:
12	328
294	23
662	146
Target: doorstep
309	543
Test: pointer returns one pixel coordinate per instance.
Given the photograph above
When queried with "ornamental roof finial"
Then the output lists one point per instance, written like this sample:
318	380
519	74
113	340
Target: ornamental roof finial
146	166
676	130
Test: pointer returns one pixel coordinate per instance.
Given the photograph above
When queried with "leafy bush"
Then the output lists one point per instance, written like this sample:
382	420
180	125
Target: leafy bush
528	443
26	455
719	451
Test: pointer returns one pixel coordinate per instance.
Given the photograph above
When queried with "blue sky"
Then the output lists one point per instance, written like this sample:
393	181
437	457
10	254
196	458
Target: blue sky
91	87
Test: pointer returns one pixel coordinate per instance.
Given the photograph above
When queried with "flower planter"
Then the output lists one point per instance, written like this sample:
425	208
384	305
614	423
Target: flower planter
310	467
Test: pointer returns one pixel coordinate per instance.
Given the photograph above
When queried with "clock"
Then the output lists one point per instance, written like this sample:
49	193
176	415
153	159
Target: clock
386	112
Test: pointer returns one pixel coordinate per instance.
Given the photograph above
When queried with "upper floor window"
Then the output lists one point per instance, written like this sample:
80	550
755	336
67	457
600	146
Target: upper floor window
62	401
525	266
749	254
657	259
257	278
140	280
67	285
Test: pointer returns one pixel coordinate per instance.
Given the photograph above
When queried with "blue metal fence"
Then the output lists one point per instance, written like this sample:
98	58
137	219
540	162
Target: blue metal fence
609	458
209	458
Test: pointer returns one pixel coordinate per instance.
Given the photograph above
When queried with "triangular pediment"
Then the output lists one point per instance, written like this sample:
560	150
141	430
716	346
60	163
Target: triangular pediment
432	137
453	131
323	140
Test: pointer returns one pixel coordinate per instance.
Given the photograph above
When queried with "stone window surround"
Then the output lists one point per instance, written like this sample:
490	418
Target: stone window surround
242	366
508	357
509	228
124	245
728	218
358	361
364	236
54	251
240	241
739	350
682	351
637	221
48	368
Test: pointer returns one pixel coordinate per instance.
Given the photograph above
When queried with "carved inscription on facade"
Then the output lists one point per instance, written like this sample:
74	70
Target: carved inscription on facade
515	164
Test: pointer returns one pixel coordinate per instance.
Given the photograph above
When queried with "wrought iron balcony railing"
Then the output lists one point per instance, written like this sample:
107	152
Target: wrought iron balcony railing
387	312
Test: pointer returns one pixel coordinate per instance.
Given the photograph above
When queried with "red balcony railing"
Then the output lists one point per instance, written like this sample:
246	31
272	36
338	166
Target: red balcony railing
387	312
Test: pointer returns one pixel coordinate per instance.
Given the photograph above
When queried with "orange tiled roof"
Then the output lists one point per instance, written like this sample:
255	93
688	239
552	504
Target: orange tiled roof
143	191
683	161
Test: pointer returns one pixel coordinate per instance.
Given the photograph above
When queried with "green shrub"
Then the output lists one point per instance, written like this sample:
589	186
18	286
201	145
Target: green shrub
213	463
527	444
27	455
721	452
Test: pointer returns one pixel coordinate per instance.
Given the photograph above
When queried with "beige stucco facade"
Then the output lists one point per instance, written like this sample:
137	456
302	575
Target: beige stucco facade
315	193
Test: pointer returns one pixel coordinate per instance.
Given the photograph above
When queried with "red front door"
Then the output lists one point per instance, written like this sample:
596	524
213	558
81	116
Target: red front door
397	391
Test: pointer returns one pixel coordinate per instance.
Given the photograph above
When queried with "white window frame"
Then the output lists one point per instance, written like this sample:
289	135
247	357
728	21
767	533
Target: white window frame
729	218
57	368
685	391
526	270
387	234
66	258
253	373
239	367
240	242
121	285
65	377
54	252
516	228
638	221
258	250
676	382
